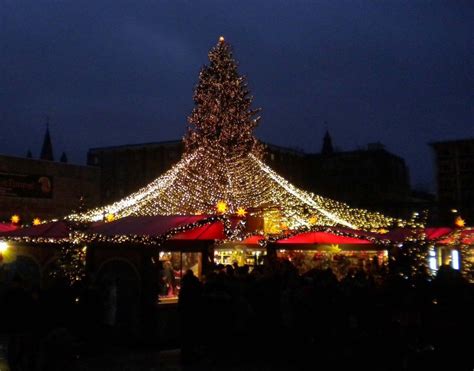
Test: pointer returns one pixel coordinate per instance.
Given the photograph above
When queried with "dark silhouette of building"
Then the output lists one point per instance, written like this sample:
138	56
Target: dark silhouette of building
43	189
327	144
63	158
290	163
454	162
371	178
127	168
47	148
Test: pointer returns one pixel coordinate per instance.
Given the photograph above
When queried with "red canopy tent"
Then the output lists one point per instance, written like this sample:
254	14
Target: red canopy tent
252	240
467	238
401	234
153	226
314	238
7	227
55	230
156	226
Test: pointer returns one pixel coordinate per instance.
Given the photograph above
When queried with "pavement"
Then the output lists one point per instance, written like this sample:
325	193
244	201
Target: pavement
120	360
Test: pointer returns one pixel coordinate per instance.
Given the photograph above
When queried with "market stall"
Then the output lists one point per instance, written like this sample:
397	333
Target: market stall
246	252
330	249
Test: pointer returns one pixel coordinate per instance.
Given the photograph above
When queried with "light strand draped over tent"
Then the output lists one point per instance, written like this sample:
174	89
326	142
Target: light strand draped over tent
203	178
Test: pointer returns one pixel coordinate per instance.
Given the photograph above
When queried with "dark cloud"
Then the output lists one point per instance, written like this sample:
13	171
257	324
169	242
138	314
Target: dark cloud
115	72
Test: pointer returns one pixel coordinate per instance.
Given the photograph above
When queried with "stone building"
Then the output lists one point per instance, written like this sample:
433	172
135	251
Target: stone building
371	178
454	162
43	188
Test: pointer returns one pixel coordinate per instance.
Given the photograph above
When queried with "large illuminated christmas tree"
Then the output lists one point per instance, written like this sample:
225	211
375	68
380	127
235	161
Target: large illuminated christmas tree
221	171
222	116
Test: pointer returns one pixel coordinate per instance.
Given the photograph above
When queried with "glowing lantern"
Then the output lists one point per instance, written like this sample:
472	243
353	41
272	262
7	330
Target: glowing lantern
3	247
36	221
221	207
241	212
460	222
15	219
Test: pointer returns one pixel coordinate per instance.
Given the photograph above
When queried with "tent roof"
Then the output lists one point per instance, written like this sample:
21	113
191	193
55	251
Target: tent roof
467	237
207	176
321	238
7	227
57	230
156	226
213	231
252	240
400	234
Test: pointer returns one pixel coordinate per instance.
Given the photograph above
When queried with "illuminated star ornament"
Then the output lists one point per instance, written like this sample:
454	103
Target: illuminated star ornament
15	219
221	170
36	221
241	212
460	222
221	207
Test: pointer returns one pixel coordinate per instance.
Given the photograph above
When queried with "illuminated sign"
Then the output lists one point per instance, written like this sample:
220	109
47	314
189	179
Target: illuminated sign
22	185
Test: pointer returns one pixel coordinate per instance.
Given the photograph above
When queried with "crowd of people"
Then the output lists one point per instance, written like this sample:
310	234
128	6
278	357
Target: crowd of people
267	318
274	318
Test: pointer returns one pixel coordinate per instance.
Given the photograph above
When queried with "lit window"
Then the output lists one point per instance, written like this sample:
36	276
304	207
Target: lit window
455	259
432	260
174	265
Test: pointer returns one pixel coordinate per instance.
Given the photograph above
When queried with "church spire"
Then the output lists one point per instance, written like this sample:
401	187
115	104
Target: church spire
47	149
327	144
63	158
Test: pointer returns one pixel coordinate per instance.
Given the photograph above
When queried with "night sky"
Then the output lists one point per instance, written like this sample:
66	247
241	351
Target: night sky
116	72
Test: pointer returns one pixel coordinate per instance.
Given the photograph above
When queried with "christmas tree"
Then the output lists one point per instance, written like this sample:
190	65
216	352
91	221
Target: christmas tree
222	117
221	171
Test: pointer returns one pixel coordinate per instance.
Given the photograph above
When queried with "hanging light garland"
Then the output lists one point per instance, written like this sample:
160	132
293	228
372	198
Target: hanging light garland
221	170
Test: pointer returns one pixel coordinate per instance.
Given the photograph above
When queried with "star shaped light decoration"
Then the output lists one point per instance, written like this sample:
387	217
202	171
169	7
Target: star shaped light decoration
460	222
241	212
221	207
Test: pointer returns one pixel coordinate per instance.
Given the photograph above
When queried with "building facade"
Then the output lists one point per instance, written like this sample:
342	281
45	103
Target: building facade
127	168
454	162
45	189
371	178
